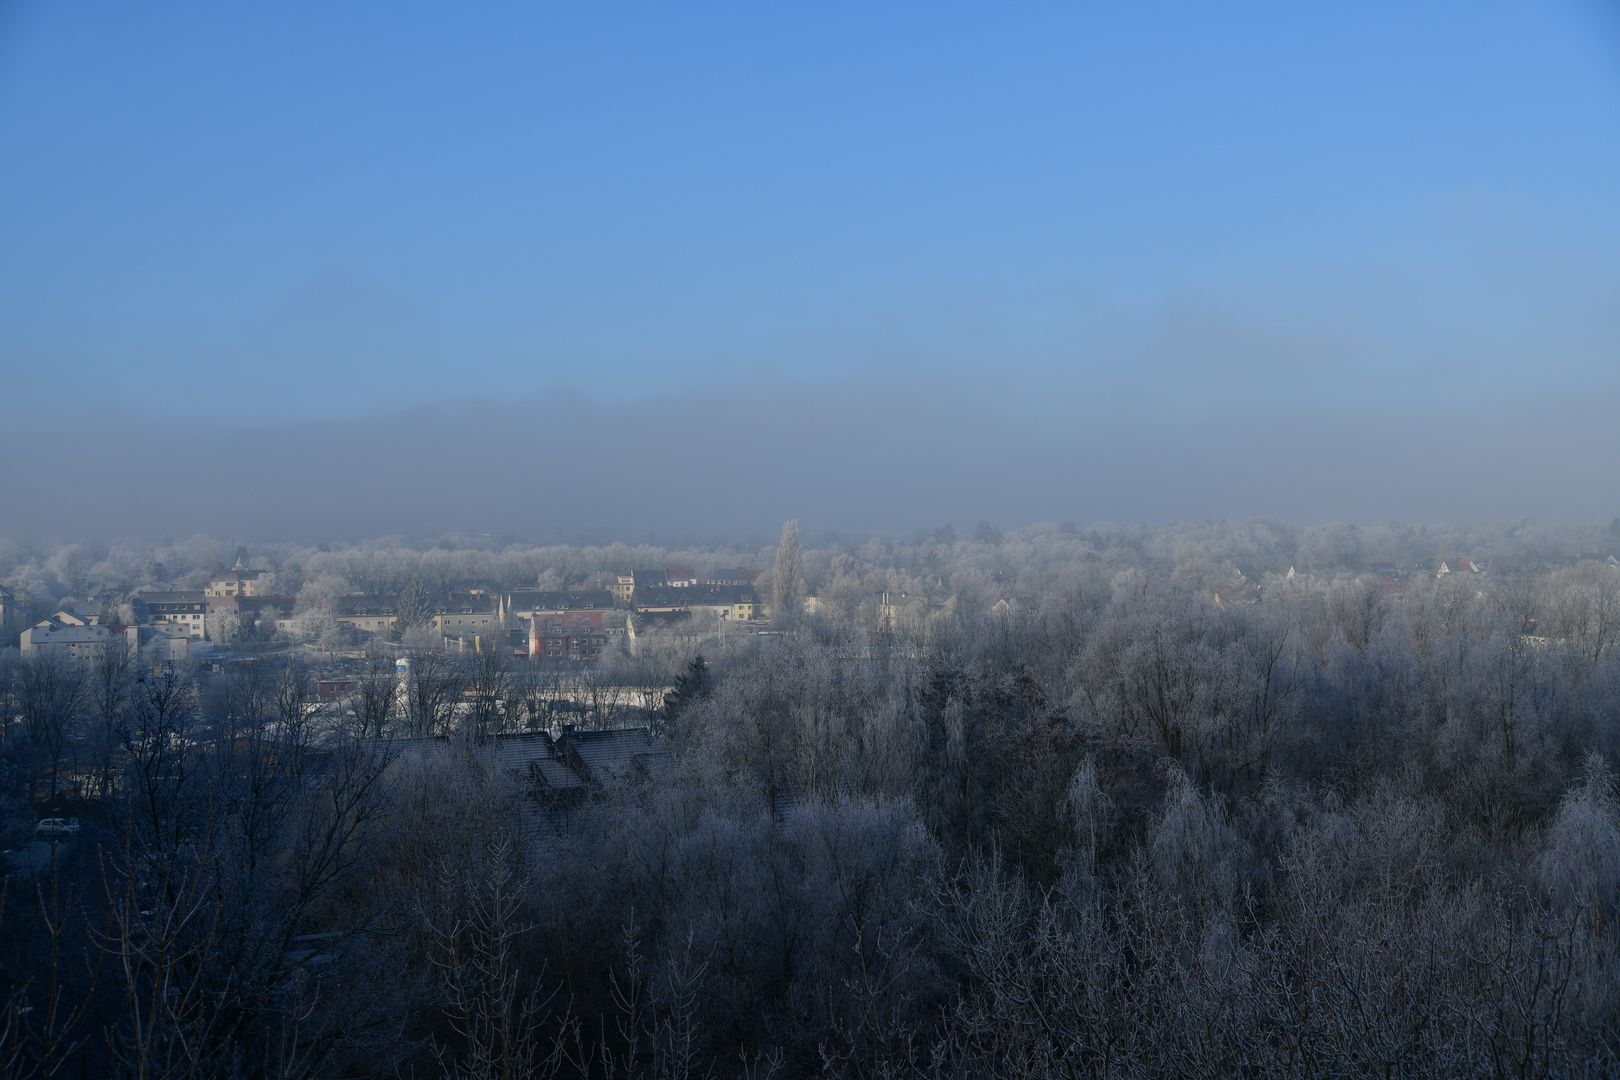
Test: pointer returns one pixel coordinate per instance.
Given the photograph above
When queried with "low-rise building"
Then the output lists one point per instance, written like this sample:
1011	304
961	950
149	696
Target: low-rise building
650	579
615	755
623	586
556	773
529	764
732	602
156	646
740	576
85	612
660	599
186	609
518	610
638	623
465	614
1241	593
570	635
896	609
79	641
84	642
237	581
261	615
745	607
471	614
1007	606
330	688
370	614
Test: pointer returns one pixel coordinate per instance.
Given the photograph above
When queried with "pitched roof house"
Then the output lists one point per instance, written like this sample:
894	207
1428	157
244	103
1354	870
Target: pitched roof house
611	756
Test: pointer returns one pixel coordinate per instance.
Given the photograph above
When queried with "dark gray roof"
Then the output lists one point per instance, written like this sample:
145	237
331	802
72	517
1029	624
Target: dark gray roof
555	775
613	755
53	632
567	600
694	596
462	603
651	620
523	758
526	757
258	605
350	606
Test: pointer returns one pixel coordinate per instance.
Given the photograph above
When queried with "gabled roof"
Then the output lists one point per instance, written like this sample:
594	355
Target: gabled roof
523	758
553	774
563	622
651	620
665	596
463	603
67	633
526	757
612	755
260	604
693	596
350	606
567	600
1243	594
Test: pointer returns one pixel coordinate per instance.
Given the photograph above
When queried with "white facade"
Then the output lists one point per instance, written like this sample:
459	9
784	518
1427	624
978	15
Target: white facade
84	643
79	642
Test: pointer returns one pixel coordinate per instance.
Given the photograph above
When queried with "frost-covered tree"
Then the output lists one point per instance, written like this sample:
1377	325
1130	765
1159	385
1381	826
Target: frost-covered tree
786	590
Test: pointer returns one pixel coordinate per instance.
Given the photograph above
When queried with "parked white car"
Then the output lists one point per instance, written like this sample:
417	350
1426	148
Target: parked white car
57	826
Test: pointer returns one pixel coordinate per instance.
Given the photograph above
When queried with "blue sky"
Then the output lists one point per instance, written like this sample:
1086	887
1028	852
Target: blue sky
267	214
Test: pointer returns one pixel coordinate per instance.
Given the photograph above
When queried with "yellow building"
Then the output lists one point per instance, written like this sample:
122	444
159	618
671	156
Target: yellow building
237	581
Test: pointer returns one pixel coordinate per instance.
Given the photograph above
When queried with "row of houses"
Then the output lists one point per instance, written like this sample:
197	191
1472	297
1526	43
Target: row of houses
550	624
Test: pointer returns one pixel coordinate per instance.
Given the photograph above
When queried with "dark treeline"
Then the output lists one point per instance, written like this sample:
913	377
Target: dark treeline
1337	826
